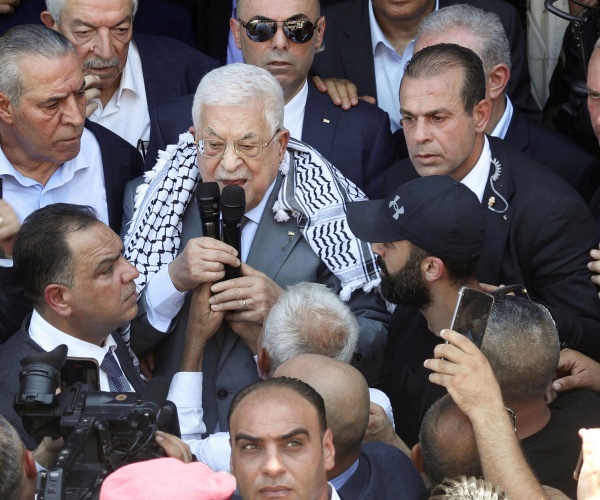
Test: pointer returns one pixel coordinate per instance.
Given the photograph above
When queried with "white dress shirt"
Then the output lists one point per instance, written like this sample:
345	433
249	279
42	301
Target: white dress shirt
48	338
502	126
389	69
79	181
477	178
293	114
126	114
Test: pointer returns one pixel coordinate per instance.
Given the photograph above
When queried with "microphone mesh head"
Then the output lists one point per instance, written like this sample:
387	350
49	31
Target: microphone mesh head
233	201
207	190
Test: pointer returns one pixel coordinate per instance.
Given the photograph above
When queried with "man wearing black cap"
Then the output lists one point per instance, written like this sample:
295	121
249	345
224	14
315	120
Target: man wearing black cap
428	235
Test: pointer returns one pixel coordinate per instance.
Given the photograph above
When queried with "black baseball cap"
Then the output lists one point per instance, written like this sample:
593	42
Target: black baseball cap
435	213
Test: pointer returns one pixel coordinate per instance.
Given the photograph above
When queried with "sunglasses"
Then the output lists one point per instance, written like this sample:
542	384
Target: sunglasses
263	29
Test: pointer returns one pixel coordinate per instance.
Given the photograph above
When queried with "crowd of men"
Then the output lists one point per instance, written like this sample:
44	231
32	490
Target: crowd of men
326	368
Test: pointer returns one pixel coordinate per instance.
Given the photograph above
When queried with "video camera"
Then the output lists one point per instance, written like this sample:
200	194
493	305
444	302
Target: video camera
102	430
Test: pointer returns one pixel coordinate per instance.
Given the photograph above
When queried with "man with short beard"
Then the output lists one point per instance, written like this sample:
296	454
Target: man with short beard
428	235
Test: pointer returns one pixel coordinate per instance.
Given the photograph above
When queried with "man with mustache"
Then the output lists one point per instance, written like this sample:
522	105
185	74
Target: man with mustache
48	152
283	38
71	265
135	73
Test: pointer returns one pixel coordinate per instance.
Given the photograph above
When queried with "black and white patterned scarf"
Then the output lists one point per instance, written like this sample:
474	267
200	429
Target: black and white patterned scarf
313	192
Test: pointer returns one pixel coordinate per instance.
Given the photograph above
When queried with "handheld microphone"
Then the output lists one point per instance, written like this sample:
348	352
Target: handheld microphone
233	205
207	201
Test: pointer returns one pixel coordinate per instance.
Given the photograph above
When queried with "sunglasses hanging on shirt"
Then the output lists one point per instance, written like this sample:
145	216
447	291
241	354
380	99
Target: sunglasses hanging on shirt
261	29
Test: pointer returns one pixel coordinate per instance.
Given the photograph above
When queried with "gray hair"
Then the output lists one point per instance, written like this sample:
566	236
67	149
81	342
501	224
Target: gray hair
27	40
11	461
56	7
242	85
467	488
484	26
309	319
521	343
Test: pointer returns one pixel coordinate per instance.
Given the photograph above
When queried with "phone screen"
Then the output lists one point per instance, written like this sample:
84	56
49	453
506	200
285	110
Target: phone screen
471	314
80	370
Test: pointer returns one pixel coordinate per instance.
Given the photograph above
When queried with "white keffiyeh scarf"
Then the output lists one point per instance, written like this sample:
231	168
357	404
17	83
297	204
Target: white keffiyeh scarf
313	192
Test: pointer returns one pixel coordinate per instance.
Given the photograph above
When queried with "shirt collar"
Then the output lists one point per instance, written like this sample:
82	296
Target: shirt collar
377	35
49	337
294	111
257	212
132	78
339	481
62	175
502	126
477	178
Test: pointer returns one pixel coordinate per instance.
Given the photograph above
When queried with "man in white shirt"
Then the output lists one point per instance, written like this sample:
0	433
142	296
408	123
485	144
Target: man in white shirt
134	75
82	288
48	152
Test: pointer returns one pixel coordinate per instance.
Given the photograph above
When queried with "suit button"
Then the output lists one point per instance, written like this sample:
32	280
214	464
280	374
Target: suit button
222	393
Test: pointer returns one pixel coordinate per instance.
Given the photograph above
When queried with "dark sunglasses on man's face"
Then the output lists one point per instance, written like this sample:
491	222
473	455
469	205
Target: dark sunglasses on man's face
262	29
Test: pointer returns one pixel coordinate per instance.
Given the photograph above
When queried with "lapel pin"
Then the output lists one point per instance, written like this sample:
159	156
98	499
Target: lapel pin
325	120
505	217
492	201
290	238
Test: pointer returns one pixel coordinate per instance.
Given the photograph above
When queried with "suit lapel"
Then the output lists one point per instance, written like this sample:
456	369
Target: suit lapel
319	125
274	240
150	84
497	224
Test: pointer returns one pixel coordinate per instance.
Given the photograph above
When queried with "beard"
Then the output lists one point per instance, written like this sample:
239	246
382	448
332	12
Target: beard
405	287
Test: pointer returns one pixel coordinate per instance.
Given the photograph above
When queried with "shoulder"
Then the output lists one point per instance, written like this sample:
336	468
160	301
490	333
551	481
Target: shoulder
167	51
106	137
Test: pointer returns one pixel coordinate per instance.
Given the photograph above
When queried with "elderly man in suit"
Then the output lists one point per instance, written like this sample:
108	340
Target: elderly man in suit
135	73
295	231
283	37
48	152
370	42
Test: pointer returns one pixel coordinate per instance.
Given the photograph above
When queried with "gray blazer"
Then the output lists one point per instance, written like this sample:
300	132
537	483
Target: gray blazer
228	364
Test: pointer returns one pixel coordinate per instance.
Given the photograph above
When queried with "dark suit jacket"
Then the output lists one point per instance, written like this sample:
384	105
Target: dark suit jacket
542	240
383	472
228	365
121	163
556	151
349	52
358	142
171	68
21	345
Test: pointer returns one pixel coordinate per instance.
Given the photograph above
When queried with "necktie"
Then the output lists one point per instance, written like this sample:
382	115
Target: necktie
116	380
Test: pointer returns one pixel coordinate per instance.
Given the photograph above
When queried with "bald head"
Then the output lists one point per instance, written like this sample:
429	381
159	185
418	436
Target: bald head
346	396
448	444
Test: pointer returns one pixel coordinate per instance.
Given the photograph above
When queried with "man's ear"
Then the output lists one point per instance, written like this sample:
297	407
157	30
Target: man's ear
58	298
6	109
29	464
48	20
236	27
417	457
482	113
321	24
284	137
432	268
328	450
264	363
498	80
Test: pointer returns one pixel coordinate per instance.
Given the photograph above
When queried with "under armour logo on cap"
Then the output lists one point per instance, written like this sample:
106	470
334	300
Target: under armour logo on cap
398	211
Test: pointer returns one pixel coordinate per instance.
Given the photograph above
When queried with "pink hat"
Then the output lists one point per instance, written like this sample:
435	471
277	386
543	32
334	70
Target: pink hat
167	478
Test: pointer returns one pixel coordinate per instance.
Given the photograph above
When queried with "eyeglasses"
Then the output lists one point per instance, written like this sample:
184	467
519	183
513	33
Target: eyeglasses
216	148
262	29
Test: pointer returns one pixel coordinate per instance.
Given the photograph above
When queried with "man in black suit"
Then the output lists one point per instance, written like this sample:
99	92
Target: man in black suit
48	153
136	74
539	230
482	32
351	44
83	291
359	142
